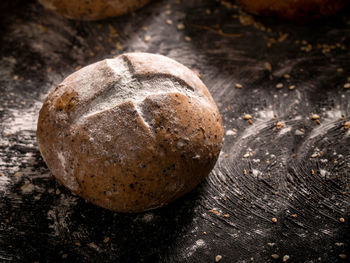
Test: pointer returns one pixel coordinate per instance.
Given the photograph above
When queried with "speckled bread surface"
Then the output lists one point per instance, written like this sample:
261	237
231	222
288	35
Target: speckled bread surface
131	133
92	9
297	10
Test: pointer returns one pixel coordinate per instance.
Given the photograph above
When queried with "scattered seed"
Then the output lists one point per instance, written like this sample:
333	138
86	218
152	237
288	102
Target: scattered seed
187	38
314	155
204	233
294	215
279	86
285	258
346	125
286	76
226	215
64	256
58	191
250	122
318	122
119	46
341	220
92	245
274	219
245	172
180	26
315	116
218	258
147	38
168	12
312	171
275	256
346	85
247	117
279	125
106	240
340	70
268	66
169	21
251	259
292	87
78	243
342	256
144	28
238	86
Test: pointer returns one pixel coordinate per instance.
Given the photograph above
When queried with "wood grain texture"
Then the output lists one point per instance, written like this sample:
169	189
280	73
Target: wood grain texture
284	165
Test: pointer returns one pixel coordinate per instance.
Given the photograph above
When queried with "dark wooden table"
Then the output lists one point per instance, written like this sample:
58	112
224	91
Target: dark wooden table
280	189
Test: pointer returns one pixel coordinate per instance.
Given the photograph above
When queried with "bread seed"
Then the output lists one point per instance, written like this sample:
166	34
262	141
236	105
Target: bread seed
279	86
180	26
315	117
275	256
279	125
238	86
347	125
247	117
147	38
218	258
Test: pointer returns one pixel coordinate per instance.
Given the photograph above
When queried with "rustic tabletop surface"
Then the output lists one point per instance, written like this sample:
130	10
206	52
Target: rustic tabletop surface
280	191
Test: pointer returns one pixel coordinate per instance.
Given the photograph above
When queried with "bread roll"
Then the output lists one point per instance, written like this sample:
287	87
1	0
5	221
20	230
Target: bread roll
297	10
92	9
131	133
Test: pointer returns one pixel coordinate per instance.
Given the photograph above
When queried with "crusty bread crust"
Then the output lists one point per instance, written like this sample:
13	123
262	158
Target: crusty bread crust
92	9
131	133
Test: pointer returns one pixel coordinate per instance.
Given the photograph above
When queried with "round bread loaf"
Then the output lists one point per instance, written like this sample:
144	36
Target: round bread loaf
131	133
297	10
92	9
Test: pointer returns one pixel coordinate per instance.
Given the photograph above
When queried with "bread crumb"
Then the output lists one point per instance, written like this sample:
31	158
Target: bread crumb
279	86
274	219
180	27
285	258
247	117
294	215
315	116
218	258
147	38
119	46
268	66
279	125
341	220
346	125
226	215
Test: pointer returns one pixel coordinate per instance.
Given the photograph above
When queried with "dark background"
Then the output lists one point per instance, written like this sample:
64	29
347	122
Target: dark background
298	174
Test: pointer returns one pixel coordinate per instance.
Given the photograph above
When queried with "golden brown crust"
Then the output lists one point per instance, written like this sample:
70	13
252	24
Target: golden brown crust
294	9
132	133
92	9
